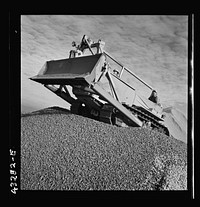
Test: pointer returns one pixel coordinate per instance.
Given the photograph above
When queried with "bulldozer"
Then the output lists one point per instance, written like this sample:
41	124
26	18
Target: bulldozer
95	85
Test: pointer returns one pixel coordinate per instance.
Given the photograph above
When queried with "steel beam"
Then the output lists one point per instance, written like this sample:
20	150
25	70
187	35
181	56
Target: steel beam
135	121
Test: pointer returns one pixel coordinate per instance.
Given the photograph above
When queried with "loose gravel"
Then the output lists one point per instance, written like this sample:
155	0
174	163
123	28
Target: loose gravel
63	151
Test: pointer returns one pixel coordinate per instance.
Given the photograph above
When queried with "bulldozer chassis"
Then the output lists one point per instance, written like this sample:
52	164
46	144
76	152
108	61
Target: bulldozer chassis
84	75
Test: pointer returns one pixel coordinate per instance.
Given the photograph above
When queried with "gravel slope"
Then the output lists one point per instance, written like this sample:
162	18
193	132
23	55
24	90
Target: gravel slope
63	151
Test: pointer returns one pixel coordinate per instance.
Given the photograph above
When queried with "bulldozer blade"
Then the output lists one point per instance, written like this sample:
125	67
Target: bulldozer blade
72	71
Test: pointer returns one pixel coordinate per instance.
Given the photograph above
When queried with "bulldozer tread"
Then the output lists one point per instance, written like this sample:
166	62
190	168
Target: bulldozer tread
147	118
106	114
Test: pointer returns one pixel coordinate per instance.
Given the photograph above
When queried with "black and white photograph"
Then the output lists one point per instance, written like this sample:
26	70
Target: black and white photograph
104	102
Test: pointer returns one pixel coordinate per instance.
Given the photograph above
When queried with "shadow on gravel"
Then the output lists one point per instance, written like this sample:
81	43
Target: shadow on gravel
50	110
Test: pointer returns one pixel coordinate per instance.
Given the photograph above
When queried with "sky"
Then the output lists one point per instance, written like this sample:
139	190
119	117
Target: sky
152	46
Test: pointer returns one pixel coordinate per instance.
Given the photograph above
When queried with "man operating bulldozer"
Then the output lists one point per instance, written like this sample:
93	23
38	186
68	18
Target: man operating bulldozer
154	97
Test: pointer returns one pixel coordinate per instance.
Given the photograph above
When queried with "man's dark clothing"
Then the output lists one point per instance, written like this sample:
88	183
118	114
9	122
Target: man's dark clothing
153	99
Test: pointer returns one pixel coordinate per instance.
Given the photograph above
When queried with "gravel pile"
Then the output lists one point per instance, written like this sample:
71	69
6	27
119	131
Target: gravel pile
63	151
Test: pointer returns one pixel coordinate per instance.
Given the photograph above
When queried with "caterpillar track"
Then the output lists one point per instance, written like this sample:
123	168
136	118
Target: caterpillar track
109	115
146	118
